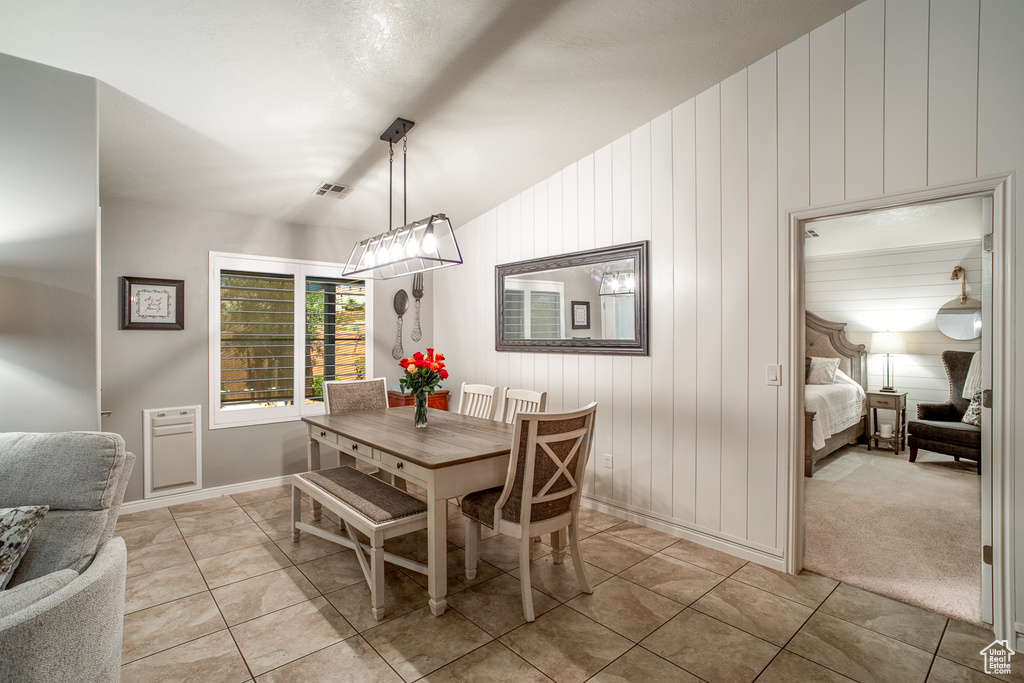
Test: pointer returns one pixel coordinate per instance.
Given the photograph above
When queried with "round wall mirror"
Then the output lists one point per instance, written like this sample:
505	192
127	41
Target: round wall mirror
960	320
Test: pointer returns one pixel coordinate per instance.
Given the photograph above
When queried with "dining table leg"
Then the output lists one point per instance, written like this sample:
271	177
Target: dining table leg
437	550
313	464
558	546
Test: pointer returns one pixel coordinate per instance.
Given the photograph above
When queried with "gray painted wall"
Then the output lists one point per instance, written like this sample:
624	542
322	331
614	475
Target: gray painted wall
48	249
160	369
385	326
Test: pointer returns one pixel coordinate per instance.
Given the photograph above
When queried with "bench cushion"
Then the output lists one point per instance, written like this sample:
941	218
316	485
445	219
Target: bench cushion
372	498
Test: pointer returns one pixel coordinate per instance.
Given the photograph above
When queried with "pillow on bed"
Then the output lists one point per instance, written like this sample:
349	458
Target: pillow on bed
843	378
823	370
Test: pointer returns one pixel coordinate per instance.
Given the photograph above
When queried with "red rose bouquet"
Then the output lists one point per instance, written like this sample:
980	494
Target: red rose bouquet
422	375
422	372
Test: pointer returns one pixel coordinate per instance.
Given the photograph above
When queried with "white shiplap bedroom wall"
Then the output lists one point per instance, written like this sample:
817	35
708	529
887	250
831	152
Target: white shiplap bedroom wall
899	290
894	95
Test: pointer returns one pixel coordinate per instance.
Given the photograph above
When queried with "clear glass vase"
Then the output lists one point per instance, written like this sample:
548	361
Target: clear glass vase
420	413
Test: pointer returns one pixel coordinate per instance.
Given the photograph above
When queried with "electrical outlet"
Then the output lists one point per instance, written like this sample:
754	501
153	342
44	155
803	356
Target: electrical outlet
609	460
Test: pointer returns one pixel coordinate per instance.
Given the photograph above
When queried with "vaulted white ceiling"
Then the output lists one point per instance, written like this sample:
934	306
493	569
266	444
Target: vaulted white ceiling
247	106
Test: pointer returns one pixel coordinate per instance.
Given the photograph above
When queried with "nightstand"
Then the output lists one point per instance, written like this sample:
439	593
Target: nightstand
896	402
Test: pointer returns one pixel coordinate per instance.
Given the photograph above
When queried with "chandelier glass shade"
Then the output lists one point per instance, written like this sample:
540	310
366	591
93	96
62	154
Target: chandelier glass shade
425	245
617	283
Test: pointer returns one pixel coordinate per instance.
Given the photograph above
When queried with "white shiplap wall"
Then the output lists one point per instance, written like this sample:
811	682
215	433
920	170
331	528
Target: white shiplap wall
898	290
893	95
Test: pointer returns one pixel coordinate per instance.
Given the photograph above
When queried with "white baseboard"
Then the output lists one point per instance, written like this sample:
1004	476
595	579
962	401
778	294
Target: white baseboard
192	496
734	549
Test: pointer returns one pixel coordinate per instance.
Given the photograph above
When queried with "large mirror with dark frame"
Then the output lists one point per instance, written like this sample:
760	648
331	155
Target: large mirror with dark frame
586	302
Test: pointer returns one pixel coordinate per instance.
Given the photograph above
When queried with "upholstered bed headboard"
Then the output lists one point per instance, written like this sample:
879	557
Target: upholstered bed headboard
826	339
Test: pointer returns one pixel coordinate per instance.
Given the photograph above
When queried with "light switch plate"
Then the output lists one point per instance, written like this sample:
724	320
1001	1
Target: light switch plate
609	461
774	375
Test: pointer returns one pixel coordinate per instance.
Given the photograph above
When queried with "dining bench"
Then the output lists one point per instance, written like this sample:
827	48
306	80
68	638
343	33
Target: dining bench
366	505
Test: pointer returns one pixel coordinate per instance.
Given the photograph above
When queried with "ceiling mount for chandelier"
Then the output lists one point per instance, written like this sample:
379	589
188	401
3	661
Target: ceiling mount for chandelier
426	244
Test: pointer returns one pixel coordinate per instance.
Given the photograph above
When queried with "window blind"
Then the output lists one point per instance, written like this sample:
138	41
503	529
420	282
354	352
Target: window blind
545	315
335	344
515	316
257	338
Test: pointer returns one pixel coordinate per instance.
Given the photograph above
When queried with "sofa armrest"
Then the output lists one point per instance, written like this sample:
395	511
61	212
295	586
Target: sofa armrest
75	633
938	412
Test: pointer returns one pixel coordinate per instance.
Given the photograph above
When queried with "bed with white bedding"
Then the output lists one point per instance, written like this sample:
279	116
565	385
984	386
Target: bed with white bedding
837	406
834	413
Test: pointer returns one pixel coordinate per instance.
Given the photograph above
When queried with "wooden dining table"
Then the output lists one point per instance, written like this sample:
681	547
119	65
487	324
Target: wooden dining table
452	456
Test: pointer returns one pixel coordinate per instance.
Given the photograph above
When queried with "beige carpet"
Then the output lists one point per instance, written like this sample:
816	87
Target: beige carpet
911	531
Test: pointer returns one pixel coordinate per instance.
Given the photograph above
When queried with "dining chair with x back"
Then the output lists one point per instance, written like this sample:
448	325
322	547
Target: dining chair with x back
541	493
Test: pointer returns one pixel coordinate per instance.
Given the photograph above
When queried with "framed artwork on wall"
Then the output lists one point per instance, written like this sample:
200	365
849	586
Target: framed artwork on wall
581	315
149	303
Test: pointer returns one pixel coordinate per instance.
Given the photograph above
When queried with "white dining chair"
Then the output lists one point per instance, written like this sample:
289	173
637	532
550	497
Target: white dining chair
522	401
479	400
541	493
348	396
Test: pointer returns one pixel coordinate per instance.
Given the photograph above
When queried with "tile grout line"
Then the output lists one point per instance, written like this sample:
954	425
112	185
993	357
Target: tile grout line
220	611
610	534
208	590
797	631
227	628
931	664
191	640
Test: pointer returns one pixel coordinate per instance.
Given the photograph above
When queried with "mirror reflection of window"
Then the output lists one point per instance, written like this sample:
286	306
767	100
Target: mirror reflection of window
546	309
515	325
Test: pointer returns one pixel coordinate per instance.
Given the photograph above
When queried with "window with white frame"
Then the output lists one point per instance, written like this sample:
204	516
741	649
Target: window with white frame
534	309
279	329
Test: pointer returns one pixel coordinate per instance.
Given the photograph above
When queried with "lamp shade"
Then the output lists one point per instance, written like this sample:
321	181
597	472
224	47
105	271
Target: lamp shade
424	245
888	342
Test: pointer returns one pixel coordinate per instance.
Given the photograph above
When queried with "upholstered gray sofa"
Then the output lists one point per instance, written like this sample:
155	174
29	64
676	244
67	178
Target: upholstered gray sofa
61	617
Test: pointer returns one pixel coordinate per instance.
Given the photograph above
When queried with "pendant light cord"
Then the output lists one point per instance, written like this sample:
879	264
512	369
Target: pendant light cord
391	185
404	190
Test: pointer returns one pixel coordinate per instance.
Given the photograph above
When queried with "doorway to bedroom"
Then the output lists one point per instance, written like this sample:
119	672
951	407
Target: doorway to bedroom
872	518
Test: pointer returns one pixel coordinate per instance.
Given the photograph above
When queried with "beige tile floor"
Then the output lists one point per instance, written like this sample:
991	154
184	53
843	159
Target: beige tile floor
217	591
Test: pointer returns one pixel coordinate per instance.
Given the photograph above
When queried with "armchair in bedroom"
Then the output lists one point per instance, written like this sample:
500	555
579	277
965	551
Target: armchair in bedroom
938	427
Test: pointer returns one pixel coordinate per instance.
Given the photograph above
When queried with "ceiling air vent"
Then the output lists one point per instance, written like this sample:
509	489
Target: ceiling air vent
810	233
332	190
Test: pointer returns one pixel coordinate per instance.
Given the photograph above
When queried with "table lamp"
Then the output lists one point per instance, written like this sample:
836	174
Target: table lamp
888	343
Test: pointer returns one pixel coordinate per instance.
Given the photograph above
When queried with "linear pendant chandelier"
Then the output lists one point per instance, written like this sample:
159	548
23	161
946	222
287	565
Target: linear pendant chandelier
426	244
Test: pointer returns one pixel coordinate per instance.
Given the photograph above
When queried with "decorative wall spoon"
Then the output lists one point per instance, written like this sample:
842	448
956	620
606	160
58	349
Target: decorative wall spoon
417	293
401	306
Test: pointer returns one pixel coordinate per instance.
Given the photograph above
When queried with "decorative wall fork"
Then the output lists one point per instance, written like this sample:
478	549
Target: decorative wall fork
417	292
